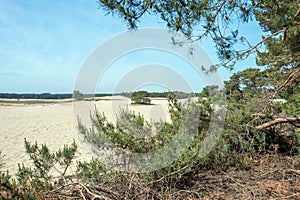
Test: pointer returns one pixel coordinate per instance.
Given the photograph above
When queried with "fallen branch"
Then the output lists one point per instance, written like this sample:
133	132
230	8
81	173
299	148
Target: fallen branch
288	197
278	121
95	196
294	171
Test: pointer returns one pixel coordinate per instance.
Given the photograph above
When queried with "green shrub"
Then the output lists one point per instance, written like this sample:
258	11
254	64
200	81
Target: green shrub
140	97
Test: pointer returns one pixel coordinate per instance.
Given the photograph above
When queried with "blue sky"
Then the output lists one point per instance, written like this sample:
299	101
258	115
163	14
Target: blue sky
43	44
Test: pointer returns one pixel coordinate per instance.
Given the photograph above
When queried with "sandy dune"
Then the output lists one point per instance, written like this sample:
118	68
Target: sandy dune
54	123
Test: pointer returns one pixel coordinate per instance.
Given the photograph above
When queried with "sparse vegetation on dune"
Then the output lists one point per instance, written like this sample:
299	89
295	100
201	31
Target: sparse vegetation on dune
242	164
248	149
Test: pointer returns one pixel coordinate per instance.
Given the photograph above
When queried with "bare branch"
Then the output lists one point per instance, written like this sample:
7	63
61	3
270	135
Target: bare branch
262	41
292	77
278	121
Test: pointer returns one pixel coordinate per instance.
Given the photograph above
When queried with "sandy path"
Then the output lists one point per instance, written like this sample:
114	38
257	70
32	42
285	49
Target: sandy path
55	125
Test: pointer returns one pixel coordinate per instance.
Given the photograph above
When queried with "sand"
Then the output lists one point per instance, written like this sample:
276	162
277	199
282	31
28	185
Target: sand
55	123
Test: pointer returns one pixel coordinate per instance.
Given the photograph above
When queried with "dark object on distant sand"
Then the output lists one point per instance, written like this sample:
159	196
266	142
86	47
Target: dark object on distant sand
140	97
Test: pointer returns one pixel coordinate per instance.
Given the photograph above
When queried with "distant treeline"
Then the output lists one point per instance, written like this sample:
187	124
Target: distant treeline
35	96
179	95
44	96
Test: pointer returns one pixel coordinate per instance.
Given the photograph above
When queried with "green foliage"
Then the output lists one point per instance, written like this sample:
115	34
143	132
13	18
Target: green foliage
249	93
140	97
134	134
91	171
187	16
274	16
226	153
131	132
250	104
220	21
44	160
32	183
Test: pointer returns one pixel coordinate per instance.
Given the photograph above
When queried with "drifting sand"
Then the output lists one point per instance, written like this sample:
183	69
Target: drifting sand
54	122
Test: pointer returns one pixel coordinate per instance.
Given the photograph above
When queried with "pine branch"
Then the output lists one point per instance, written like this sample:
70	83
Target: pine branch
262	41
